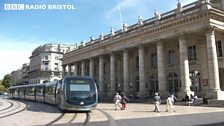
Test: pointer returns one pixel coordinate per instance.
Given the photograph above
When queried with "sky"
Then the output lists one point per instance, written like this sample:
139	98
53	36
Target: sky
21	31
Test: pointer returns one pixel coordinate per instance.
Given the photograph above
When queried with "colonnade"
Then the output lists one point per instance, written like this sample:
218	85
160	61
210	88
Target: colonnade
213	77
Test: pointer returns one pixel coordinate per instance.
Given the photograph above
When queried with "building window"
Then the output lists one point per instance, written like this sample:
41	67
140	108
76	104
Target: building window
137	88
104	68
171	57
173	82
56	66
153	59
137	63
95	69
56	58
192	53
45	58
219	48
154	87
45	66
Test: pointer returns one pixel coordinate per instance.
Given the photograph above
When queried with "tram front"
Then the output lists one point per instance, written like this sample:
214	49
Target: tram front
80	93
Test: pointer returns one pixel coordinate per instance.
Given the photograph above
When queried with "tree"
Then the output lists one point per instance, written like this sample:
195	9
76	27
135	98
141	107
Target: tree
6	81
2	88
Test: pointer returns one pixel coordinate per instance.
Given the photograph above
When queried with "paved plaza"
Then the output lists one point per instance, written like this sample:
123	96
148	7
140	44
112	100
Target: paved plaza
21	113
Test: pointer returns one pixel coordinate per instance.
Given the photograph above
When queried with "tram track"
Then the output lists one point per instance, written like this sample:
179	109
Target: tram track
8	107
86	122
71	122
61	117
73	118
9	111
109	117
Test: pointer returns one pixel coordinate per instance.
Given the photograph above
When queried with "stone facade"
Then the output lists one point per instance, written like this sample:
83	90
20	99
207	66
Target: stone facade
45	63
20	76
180	52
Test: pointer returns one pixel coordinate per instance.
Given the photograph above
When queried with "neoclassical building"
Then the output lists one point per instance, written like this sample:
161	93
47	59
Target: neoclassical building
45	63
179	51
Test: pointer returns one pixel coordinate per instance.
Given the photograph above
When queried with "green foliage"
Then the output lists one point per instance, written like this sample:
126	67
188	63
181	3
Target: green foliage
6	81
2	88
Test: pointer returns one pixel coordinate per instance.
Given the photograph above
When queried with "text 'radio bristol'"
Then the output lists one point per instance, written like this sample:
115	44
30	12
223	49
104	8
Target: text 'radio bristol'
39	7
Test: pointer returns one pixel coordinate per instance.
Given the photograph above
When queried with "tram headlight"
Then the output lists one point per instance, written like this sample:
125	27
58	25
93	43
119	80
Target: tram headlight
81	103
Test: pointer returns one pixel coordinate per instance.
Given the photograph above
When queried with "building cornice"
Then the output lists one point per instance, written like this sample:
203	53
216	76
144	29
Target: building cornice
169	22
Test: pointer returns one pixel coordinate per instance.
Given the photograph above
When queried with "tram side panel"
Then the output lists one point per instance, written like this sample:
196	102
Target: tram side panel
50	94
22	93
39	93
30	93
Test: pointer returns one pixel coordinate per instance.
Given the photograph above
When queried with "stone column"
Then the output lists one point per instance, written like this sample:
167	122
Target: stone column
184	66
125	71
222	4
91	65
204	65
161	69
101	76
213	69
112	74
69	69
83	68
141	63
63	71
75	69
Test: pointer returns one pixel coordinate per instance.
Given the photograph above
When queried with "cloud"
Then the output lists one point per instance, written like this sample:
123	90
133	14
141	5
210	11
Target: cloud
131	9
14	53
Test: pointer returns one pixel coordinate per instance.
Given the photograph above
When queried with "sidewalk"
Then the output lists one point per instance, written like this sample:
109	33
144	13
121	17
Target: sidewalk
144	110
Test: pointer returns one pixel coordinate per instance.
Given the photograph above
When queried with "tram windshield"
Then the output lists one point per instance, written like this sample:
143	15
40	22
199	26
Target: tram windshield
79	85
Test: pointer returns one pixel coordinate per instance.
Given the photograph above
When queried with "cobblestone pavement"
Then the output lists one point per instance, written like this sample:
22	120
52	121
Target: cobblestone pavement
21	113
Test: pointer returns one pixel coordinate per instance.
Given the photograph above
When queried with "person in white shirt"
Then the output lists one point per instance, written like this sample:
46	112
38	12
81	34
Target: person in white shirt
117	100
169	104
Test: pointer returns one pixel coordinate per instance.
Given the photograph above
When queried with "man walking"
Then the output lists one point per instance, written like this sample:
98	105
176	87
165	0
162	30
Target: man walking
157	101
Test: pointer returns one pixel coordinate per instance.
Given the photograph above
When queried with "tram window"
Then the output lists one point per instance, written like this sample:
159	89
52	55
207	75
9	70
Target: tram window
79	87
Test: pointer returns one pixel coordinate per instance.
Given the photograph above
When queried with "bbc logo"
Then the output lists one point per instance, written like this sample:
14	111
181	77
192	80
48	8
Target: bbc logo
13	6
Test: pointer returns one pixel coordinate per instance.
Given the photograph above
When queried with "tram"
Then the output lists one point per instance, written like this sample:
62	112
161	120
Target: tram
69	94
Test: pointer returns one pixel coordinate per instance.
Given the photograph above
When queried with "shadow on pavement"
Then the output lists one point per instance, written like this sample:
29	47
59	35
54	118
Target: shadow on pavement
212	124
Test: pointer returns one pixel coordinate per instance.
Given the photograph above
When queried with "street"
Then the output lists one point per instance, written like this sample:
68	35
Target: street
25	113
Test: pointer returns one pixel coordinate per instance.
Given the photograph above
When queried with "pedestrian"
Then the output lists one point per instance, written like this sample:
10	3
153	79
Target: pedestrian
174	98
156	101
117	100
187	99
205	100
195	98
124	100
169	104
